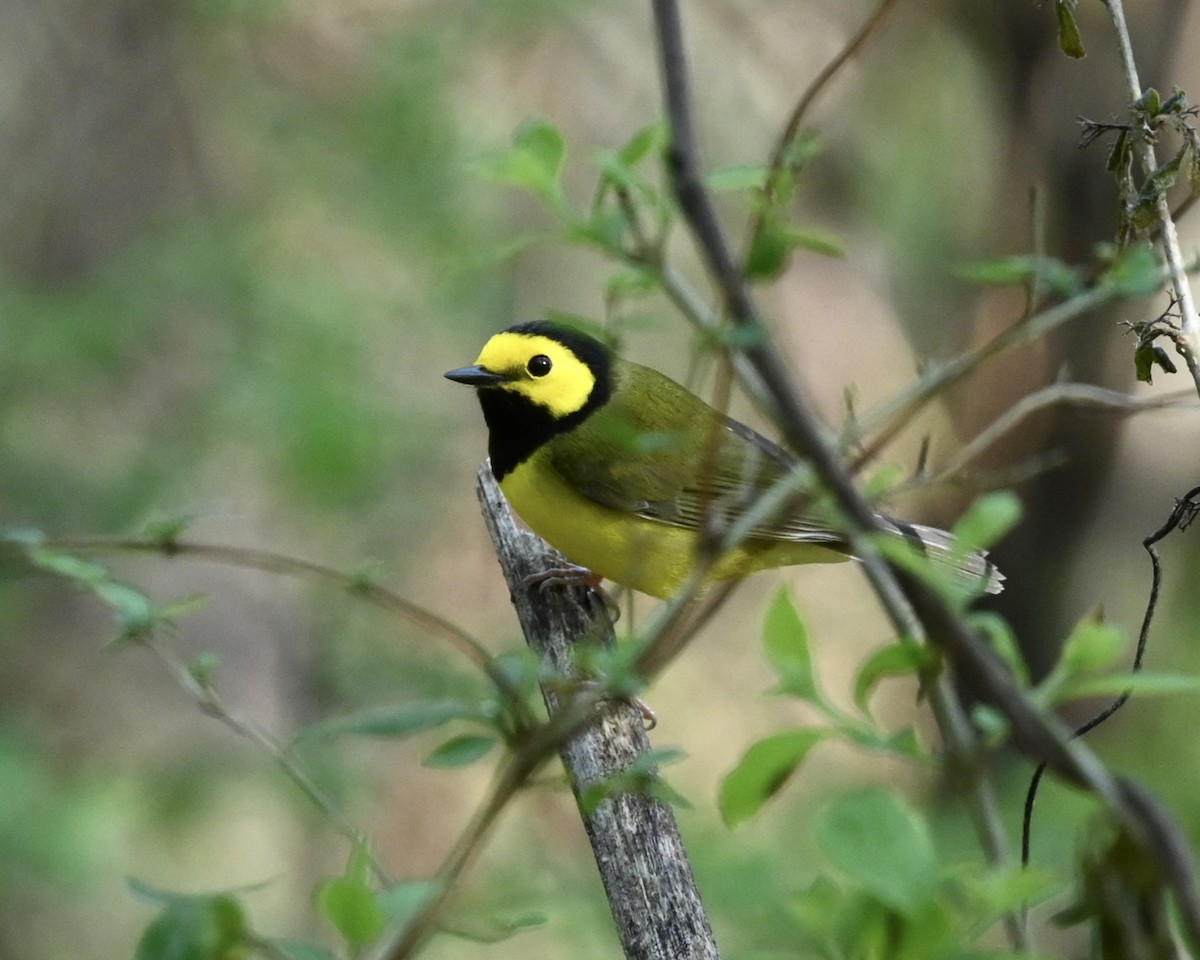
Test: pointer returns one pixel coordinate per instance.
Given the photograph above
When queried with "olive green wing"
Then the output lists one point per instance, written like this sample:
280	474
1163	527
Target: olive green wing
657	451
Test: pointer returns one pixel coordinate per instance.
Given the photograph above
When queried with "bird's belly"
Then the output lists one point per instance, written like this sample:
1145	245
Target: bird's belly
649	556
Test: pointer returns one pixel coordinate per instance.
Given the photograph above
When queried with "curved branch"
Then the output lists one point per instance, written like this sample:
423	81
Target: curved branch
272	562
800	110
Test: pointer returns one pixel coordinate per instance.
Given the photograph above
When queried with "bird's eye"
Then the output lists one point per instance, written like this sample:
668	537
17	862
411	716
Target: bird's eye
539	366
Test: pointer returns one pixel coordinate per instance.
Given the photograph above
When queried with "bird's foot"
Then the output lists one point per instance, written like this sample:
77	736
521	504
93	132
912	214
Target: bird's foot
572	575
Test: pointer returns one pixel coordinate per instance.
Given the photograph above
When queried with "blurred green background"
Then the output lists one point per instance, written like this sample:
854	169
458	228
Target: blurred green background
240	242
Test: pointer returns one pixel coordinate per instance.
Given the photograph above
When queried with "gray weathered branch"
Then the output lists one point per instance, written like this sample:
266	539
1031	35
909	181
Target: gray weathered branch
635	838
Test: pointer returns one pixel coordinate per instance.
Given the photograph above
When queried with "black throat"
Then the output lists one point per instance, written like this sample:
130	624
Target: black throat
517	426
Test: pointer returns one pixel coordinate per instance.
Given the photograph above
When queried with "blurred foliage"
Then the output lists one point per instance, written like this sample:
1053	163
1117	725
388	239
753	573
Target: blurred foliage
262	353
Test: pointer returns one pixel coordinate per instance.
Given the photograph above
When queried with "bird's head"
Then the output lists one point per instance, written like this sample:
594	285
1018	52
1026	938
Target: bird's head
559	370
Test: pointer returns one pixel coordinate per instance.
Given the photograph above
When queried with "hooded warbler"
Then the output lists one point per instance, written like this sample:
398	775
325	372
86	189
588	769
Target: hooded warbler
618	467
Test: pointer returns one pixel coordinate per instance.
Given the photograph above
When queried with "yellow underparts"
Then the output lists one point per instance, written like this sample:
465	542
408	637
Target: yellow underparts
646	555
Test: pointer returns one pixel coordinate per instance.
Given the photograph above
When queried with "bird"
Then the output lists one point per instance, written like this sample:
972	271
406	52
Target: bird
630	475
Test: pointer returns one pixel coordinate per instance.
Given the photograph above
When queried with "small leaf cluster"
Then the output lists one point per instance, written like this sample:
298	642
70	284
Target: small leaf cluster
1069	40
769	764
1150	116
355	905
1147	354
886	890
631	215
138	617
1087	668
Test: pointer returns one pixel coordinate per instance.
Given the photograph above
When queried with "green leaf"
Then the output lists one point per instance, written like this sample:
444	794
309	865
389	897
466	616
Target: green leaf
768	254
1045	273
492	929
1002	890
992	725
646	140
182	607
535	161
763	771
785	641
642	776
883	481
630	283
203	667
1093	644
1142	683
1146	357
802	149
460	751
615	173
1003	641
86	572
894	660
134	612
194	928
880	842
1135	273
351	906
774	242
986	521
358	866
815	240
737	178
156	895
393	722
27	537
902	743
605	229
1069	41
817	909
1149	103
165	531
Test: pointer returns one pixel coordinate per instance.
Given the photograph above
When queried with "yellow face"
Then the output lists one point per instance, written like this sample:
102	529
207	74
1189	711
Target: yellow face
540	369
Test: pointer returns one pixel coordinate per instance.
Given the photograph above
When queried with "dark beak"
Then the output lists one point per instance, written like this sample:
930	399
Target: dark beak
476	376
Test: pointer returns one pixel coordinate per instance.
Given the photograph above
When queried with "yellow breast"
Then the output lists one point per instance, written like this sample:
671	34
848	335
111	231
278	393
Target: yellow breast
649	556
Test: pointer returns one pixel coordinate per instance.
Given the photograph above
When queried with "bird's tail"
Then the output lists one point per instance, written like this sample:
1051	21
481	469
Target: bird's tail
938	545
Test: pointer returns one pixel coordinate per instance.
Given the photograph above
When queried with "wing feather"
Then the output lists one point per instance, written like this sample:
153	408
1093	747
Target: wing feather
702	465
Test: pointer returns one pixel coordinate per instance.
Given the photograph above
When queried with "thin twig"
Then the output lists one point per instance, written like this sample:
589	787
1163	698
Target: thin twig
211	704
272	562
1189	319
1182	514
775	167
891	416
1059	394
403	939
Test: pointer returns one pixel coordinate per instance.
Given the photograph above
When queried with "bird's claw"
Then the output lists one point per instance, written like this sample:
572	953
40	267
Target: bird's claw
573	575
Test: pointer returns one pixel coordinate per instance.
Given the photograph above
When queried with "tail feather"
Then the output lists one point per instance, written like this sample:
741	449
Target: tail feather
938	545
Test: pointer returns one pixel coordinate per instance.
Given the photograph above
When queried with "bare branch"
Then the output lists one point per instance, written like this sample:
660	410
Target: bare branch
638	849
1059	394
1189	319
